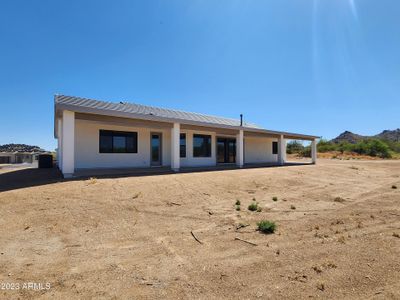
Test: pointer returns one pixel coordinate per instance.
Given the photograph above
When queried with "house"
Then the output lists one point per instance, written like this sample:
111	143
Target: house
18	157
98	134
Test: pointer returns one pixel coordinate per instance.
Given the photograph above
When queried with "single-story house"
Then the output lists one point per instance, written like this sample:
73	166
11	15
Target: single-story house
18	157
99	134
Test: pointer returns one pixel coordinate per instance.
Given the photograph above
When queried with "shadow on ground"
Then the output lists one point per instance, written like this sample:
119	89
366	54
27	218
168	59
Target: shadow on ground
31	177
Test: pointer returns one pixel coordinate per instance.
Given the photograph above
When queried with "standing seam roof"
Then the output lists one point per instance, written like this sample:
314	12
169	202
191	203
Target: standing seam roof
148	110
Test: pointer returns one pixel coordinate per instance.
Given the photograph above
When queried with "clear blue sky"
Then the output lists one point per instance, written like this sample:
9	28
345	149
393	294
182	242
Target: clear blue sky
317	67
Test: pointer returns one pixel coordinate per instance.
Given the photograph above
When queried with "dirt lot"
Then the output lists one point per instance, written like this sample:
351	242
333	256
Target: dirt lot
131	237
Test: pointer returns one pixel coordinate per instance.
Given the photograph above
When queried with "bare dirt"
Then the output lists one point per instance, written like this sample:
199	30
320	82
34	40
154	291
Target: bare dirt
338	234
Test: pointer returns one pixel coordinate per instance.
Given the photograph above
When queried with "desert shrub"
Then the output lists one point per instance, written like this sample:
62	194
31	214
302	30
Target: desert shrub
372	147
237	207
326	146
306	152
394	186
259	209
292	207
294	147
274	198
237	202
266	226
253	206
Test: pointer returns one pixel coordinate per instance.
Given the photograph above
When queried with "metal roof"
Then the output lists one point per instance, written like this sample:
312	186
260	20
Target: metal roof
145	110
133	110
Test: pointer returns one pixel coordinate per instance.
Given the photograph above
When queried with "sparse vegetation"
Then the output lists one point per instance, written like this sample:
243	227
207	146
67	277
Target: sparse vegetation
274	198
370	146
266	226
253	206
292	207
394	187
238	207
237	202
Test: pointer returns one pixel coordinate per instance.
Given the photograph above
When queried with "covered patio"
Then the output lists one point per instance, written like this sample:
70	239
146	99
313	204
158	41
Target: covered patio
164	140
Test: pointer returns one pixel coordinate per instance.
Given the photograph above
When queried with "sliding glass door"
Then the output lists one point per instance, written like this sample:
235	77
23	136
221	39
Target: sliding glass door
226	150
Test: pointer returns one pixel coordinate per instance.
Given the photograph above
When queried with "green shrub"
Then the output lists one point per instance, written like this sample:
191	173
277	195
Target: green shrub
274	198
326	146
294	147
253	206
306	152
237	207
237	202
266	226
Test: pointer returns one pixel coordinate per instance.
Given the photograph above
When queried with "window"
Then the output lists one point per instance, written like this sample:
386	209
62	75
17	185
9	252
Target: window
274	147
182	144
117	142
201	145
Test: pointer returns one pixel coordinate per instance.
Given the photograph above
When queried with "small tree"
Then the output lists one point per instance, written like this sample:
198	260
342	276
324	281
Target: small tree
294	147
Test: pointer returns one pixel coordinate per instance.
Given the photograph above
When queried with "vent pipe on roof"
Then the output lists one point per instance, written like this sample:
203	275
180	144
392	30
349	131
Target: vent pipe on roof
241	120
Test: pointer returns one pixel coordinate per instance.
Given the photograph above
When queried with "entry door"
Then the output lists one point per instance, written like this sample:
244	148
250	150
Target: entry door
155	149
226	150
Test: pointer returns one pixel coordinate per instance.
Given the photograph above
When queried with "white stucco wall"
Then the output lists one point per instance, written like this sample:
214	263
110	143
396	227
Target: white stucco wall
189	160
259	150
256	149
87	147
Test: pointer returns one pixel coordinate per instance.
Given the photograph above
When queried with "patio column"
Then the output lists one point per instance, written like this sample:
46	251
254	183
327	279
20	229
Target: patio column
59	143
175	145
281	150
240	149
314	151
68	143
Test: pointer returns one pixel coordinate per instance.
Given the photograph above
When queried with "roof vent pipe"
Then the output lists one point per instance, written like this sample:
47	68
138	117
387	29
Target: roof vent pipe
241	120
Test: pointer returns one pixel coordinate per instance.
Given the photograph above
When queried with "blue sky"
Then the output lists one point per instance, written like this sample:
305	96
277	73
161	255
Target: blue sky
309	66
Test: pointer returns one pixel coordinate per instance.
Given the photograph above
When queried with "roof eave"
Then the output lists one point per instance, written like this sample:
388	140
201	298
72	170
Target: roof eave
61	107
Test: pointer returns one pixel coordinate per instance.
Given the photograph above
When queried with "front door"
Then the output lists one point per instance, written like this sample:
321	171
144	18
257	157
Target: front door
226	150
155	149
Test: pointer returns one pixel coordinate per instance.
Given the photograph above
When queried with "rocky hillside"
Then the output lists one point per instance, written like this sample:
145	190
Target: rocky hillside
389	135
350	137
20	148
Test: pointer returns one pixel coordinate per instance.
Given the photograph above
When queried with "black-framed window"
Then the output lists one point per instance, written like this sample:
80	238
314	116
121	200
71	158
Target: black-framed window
182	144
274	147
117	142
201	145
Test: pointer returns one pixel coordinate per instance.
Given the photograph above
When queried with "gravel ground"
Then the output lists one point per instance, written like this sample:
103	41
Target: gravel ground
338	234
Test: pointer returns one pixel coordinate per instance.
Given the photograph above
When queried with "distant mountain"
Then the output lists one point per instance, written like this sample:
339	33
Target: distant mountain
389	135
350	137
20	148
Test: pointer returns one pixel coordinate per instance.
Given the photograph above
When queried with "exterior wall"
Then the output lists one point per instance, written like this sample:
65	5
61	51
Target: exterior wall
189	160
256	149
87	147
259	150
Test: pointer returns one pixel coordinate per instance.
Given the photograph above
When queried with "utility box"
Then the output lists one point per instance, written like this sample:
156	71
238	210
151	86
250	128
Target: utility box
45	161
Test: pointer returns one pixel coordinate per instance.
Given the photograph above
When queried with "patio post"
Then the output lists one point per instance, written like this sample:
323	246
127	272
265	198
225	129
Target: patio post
240	149
68	143
175	145
314	151
281	150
